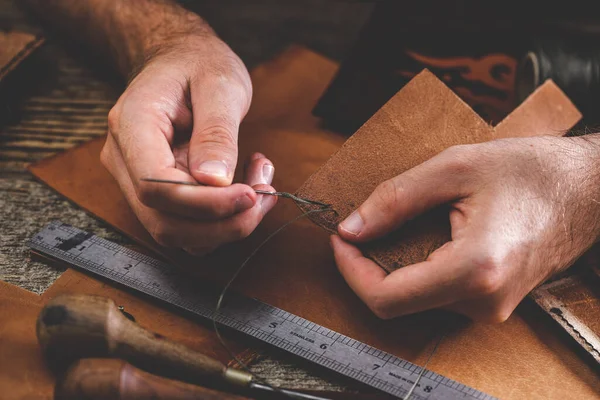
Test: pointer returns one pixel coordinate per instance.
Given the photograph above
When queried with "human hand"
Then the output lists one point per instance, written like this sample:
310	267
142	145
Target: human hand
178	120
521	211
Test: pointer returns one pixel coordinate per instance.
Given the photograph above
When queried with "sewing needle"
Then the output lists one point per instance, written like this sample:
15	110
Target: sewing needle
258	191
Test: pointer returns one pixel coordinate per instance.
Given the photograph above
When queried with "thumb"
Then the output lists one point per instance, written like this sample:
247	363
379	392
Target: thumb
442	179
218	109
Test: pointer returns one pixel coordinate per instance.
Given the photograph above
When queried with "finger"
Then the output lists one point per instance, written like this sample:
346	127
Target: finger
265	202
173	231
178	232
157	161
259	170
206	203
218	107
430	284
436	181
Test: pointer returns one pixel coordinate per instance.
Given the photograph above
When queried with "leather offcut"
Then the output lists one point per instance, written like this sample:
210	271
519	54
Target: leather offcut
14	48
421	120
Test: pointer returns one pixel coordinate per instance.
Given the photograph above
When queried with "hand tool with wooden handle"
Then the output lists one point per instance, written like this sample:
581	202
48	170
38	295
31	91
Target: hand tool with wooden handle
109	379
72	327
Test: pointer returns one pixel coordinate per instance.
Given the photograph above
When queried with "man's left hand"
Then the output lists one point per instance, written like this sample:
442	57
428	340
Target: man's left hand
521	211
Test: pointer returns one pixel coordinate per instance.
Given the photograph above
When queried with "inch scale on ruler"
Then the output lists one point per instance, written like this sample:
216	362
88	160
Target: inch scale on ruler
272	325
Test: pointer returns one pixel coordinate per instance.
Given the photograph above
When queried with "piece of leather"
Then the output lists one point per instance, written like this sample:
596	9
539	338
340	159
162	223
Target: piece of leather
14	47
23	374
422	119
574	302
526	357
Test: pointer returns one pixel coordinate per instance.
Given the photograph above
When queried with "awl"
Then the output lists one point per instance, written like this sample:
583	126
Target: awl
72	327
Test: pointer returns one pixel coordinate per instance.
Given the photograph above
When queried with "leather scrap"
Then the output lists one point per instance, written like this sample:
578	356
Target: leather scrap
23	374
422	119
523	358
14	48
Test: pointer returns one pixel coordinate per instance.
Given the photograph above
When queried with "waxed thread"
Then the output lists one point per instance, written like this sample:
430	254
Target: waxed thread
424	367
242	365
323	207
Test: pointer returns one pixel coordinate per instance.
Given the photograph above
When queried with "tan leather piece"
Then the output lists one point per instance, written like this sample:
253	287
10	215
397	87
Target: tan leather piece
523	358
23	374
421	120
547	111
14	47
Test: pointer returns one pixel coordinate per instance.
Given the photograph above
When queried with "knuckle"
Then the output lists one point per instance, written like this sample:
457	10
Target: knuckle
145	194
114	117
227	74
387	195
494	315
487	277
222	209
499	315
219	135
380	307
459	159
242	229
228	70
162	235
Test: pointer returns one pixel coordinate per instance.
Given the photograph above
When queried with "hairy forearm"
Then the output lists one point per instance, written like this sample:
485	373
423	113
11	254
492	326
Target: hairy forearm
129	32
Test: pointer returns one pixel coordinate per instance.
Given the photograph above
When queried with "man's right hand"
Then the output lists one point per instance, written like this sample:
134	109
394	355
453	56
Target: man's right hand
178	120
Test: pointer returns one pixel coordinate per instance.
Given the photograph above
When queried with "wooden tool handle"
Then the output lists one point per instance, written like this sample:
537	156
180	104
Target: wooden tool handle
109	379
72	327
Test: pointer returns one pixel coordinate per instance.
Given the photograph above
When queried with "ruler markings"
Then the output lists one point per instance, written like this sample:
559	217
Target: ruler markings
311	341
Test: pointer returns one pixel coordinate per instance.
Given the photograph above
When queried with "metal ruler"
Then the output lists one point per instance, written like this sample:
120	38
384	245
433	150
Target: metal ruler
272	325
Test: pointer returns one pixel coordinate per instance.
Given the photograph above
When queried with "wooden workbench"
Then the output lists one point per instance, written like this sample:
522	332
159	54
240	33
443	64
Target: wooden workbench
68	104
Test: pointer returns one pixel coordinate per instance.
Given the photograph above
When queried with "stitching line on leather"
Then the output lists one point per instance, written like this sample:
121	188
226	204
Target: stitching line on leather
558	312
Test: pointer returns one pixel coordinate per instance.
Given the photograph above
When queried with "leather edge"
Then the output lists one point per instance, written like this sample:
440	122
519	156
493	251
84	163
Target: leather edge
570	323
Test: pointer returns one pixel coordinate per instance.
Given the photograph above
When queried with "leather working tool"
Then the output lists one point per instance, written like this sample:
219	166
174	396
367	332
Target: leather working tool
109	379
257	191
73	327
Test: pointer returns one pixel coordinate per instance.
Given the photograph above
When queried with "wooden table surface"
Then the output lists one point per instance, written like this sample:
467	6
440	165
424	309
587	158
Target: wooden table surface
68	102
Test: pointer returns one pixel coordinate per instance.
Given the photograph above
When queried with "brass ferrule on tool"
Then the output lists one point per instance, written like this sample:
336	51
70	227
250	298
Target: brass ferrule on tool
237	377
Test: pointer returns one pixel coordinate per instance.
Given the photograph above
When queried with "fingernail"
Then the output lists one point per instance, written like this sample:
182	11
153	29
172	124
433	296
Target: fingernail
243	202
353	224
267	174
214	168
